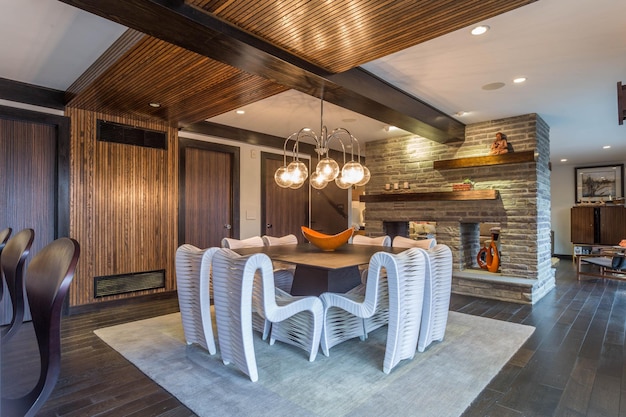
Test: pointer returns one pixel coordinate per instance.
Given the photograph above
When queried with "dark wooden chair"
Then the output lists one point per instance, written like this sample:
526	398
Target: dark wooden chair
13	257
4	237
48	279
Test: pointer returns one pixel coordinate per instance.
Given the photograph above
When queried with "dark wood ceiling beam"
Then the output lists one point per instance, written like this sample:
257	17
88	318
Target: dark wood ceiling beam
32	94
189	28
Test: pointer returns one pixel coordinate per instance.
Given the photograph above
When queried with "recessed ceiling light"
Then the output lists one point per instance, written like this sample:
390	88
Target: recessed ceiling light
240	112
460	113
519	80
389	128
493	86
564	160
606	147
155	105
480	30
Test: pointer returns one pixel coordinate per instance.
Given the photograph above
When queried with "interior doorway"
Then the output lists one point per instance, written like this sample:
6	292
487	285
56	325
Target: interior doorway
208	193
283	210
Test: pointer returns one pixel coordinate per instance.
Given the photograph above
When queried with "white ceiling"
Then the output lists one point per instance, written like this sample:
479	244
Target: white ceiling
573	53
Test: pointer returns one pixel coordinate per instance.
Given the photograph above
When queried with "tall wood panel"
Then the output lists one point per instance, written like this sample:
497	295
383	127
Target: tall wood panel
124	204
27	186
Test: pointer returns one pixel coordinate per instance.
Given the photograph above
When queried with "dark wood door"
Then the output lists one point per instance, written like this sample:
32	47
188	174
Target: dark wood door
612	224
209	196
283	210
582	225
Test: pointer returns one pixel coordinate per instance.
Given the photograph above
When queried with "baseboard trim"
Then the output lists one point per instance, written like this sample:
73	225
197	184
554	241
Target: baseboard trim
95	307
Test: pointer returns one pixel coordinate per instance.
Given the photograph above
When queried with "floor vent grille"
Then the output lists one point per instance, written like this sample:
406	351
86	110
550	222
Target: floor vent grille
125	283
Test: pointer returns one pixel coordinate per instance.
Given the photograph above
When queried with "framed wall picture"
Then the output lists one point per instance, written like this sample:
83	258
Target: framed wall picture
599	183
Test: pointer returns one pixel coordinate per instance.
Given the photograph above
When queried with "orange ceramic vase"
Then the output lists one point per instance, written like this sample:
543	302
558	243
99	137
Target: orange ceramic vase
491	256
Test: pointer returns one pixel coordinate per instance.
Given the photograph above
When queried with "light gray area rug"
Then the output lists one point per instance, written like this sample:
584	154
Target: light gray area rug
443	381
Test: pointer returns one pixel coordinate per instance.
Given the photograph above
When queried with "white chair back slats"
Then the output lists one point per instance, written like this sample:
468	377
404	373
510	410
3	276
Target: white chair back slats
251	242
371	241
405	242
193	278
406	274
233	312
282	240
436	297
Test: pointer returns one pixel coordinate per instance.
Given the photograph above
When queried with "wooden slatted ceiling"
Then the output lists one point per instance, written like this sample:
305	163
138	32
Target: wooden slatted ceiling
340	35
189	87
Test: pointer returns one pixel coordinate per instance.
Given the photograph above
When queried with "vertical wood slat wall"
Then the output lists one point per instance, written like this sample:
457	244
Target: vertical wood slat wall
123	203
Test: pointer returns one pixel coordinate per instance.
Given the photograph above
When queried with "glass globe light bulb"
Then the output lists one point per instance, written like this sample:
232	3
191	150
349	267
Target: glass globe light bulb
352	172
341	183
328	168
297	172
366	177
282	177
317	181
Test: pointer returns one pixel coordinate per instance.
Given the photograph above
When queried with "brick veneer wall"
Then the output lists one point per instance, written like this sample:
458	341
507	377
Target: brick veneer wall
523	209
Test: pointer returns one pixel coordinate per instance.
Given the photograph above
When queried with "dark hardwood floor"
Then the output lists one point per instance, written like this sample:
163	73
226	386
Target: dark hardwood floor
573	364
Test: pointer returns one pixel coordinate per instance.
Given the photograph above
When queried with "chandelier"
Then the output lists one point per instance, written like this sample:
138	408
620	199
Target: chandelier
294	174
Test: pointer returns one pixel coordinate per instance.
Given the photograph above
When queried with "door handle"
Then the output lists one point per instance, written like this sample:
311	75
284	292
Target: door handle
228	226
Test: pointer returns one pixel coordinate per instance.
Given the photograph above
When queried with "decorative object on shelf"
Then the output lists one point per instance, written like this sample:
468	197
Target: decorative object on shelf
294	174
466	185
600	184
488	257
327	242
500	145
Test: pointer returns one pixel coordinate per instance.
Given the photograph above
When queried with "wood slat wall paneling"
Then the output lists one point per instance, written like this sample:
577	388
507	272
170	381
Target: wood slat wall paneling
124	206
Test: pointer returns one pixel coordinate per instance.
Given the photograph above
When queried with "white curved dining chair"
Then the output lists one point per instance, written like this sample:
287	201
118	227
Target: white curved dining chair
290	239
405	279
283	277
282	280
437	292
405	242
251	242
371	241
193	278
381	317
295	320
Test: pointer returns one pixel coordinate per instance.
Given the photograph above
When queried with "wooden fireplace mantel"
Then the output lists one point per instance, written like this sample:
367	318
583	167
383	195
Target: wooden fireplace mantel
432	196
479	161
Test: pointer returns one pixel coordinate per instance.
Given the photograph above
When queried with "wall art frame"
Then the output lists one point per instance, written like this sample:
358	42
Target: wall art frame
596	184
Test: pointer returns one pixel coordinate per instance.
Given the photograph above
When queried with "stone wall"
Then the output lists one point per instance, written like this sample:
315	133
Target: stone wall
523	208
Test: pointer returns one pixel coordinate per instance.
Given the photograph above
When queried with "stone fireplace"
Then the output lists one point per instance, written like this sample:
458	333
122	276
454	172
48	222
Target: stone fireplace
513	194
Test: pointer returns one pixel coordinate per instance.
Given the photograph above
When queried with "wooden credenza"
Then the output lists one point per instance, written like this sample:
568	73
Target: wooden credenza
604	225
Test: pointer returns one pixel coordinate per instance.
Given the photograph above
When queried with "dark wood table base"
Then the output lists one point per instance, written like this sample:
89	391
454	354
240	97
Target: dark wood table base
311	280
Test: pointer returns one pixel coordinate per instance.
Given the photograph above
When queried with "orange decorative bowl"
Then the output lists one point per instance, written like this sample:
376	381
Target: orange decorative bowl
327	242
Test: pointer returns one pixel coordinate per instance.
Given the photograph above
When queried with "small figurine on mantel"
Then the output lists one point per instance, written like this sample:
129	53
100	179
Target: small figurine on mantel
500	145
